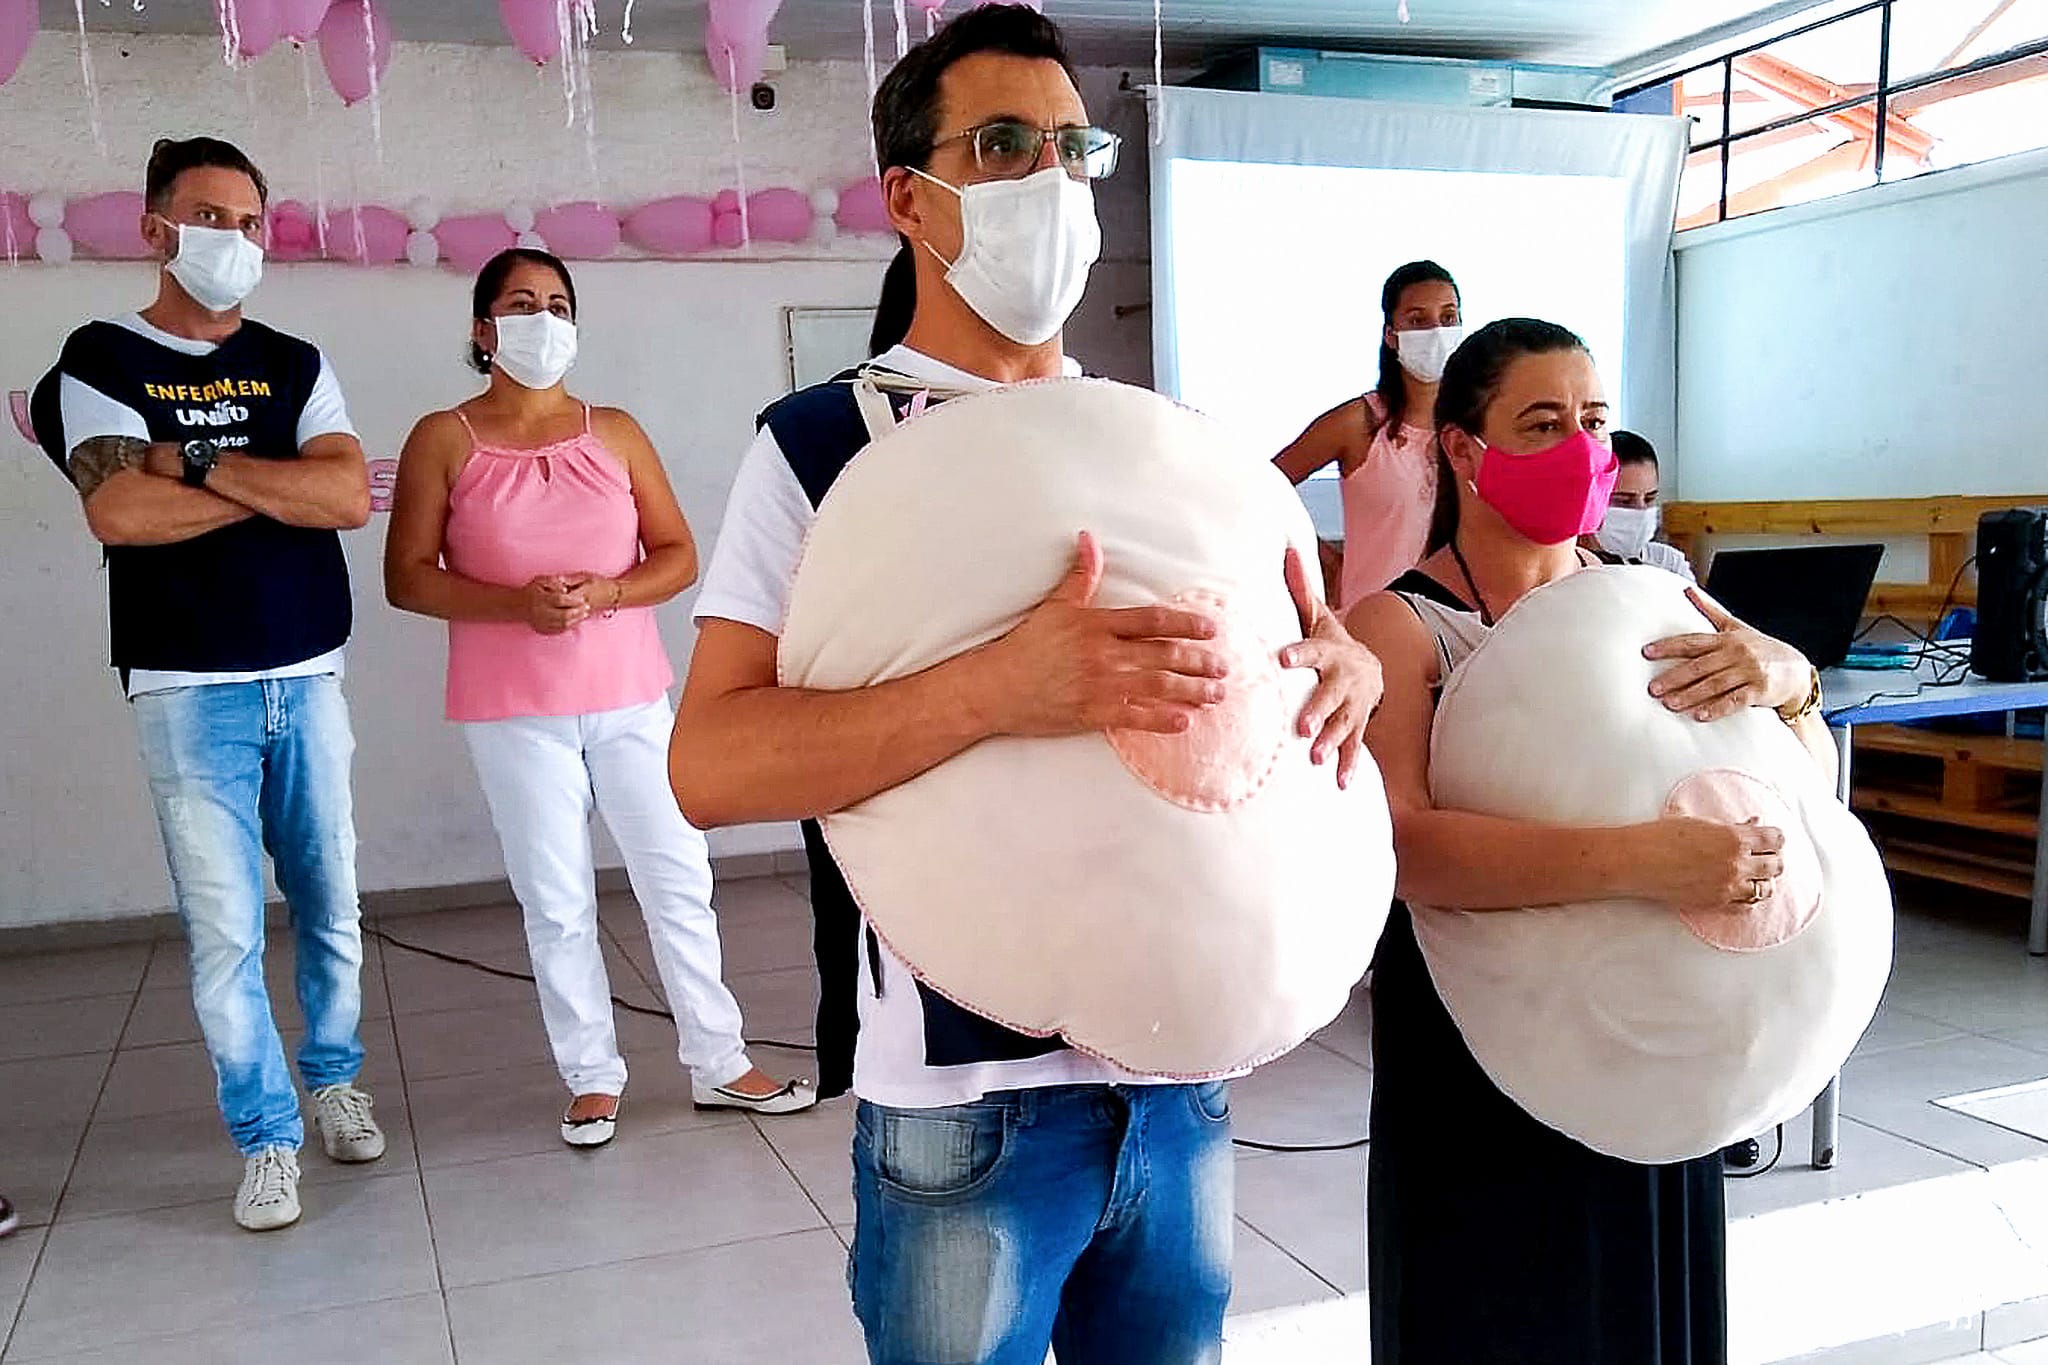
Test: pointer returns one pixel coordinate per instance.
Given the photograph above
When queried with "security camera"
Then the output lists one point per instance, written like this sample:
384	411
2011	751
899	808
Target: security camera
763	96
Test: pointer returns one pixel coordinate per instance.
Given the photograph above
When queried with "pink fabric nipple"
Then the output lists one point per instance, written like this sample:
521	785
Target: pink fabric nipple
1223	758
1734	797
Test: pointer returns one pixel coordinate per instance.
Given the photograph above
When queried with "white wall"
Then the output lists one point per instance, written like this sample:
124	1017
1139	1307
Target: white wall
692	348
1888	344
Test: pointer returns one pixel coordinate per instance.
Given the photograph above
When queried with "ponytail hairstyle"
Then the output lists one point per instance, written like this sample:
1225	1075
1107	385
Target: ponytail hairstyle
897	304
1471	382
1393	391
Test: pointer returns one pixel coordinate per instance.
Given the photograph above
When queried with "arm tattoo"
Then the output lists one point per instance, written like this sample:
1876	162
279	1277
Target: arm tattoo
95	461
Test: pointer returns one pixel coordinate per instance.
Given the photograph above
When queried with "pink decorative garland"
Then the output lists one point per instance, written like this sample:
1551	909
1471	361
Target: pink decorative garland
104	227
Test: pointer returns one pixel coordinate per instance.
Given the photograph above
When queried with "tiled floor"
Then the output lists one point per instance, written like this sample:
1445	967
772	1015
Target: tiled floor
480	1238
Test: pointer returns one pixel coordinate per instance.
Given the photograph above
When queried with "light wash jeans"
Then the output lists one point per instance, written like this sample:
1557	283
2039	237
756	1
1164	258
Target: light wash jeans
1092	1218
238	769
541	775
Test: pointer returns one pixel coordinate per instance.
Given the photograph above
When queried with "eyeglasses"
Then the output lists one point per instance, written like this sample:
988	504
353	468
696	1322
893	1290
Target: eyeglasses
1007	148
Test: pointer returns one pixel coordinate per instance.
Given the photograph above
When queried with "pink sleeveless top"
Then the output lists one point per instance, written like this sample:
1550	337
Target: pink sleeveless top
1388	500
515	515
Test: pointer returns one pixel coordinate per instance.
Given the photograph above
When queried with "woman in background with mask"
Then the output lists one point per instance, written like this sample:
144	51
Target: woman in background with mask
1490	1235
544	531
1383	442
1628	535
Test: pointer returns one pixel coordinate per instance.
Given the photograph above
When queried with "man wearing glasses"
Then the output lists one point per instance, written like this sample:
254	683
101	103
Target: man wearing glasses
216	462
1011	1192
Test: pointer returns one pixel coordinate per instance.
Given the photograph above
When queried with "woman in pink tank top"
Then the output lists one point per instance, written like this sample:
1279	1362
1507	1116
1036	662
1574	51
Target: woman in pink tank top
544	532
1384	443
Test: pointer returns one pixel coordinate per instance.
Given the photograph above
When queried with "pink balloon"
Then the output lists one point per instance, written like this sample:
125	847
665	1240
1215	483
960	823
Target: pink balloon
382	238
17	229
581	231
860	208
670	227
256	24
725	201
346	54
294	236
726	230
299	20
466	243
535	27
742	16
930	6
108	226
780	215
736	62
17	31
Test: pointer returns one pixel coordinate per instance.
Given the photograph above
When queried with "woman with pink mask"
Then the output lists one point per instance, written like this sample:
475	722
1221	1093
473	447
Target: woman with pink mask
1492	1236
1383	442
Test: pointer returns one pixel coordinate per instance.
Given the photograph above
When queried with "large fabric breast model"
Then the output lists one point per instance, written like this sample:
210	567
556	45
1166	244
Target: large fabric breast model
1183	906
1645	1031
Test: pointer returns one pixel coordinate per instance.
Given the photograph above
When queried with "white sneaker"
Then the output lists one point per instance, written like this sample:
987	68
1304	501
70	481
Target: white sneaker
342	1114
269	1197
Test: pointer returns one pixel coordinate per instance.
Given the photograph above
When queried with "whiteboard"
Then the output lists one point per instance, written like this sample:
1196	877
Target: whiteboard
824	341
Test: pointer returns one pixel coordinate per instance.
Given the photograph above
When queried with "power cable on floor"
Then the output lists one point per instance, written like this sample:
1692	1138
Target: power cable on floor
1764	1169
457	960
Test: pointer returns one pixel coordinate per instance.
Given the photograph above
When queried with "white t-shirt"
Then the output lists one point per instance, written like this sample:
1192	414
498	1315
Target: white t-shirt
1659	555
752	568
88	413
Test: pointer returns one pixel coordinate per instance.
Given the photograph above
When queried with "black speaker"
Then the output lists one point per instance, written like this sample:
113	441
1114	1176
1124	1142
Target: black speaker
2010	643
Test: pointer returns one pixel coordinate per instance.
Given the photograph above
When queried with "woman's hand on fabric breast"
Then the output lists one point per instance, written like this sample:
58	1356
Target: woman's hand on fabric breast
1070	667
1348	678
552	605
1735	666
1689	863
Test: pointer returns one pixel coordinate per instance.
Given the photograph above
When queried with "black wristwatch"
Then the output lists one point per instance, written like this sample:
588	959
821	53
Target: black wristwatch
200	457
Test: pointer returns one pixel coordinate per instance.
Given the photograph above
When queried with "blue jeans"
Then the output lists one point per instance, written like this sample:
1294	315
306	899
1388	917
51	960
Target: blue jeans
1095	1219
238	769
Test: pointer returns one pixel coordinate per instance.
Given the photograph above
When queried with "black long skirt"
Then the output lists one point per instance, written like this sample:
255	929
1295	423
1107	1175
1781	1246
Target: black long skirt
1493	1239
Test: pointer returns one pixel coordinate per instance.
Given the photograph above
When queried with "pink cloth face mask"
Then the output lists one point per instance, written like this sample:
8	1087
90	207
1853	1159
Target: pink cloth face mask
1553	495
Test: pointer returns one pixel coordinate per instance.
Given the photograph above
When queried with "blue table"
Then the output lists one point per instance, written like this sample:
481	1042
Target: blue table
1852	697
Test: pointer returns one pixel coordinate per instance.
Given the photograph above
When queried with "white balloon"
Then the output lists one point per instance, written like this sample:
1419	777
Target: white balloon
46	210
422	249
532	241
825	201
423	214
823	230
53	244
519	216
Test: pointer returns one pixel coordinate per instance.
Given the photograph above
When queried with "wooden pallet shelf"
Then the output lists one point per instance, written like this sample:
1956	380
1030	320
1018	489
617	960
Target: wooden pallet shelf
1958	808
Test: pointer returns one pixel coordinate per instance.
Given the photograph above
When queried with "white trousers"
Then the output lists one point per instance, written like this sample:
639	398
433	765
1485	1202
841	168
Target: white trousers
540	775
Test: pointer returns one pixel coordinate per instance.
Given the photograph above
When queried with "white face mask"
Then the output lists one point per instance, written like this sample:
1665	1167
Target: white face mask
1025	250
535	349
1425	351
218	268
1627	531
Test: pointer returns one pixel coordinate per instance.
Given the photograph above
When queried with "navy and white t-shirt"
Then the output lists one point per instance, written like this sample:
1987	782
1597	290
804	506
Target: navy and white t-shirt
251	600
748	580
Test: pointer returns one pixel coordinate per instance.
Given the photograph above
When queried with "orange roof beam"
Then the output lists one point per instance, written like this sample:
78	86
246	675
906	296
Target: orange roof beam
1803	88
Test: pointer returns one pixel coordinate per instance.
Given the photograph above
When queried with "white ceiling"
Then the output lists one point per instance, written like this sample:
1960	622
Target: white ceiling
1577	32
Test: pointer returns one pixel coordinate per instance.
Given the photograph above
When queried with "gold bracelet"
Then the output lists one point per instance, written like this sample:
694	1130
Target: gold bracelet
1792	715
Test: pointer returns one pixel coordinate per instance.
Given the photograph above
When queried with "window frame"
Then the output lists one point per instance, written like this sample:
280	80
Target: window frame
1880	98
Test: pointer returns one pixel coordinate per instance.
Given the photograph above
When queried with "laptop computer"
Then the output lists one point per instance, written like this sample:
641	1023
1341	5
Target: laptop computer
1809	596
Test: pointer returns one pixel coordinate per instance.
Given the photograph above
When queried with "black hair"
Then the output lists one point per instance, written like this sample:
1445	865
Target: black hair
898	303
1630	448
906	112
490	282
171	158
1471	382
1392	390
